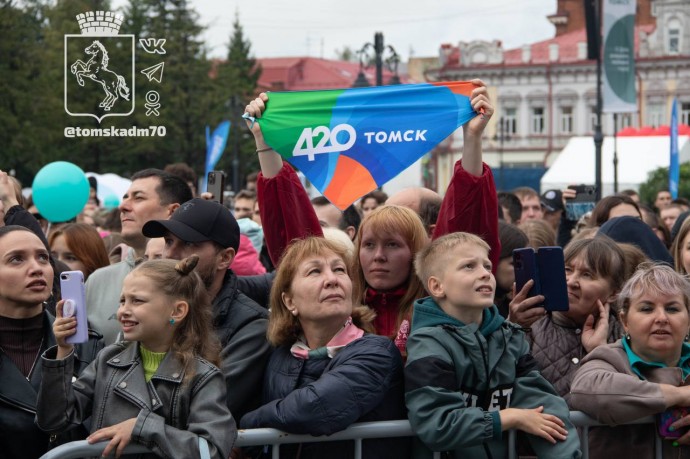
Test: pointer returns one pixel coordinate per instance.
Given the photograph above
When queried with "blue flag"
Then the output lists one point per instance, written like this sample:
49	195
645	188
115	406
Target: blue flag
215	145
674	169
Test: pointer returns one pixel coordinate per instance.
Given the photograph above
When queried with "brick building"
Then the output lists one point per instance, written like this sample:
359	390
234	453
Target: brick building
545	92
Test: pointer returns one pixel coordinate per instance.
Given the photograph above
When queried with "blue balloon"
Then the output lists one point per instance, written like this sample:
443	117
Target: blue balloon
60	191
111	201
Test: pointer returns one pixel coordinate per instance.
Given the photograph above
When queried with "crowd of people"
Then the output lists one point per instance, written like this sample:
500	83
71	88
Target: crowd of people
281	311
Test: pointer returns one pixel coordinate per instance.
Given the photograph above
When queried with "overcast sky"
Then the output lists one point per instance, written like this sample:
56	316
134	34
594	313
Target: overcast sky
279	28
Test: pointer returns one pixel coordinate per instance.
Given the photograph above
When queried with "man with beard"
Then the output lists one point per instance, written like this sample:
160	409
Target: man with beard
208	229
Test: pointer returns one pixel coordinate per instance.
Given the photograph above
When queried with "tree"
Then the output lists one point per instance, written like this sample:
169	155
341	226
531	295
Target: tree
32	67
658	180
236	82
346	54
185	91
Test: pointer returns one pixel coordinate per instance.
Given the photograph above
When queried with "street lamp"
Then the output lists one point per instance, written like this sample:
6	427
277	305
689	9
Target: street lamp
391	61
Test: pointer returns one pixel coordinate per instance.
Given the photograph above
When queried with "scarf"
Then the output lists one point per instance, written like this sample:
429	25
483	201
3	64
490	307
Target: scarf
345	336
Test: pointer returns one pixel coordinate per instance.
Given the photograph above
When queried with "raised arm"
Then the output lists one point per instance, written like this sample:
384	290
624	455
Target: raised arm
471	203
269	159
285	207
473	130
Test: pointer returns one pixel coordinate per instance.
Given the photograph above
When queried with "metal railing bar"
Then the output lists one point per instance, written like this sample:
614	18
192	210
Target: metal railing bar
356	432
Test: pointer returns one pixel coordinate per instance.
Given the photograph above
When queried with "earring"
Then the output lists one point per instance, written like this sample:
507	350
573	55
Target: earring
627	336
687	337
172	321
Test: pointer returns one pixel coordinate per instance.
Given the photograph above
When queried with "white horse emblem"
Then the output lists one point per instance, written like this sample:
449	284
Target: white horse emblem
96	68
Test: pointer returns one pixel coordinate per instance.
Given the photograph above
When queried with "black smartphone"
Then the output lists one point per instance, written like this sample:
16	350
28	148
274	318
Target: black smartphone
525	268
216	185
551	267
583	202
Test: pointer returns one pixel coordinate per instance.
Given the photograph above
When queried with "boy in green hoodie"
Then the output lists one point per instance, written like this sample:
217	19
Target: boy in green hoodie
469	374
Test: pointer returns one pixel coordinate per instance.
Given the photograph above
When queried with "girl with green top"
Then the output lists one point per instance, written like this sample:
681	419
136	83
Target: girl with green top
160	387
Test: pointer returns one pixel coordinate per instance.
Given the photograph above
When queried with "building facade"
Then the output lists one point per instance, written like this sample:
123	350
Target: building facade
545	92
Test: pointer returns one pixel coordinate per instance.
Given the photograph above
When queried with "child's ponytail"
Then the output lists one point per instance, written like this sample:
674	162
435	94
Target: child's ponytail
186	265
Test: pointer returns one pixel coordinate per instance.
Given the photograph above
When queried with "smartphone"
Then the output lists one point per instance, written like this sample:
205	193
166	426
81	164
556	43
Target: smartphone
216	185
72	290
670	416
551	267
525	268
546	267
583	202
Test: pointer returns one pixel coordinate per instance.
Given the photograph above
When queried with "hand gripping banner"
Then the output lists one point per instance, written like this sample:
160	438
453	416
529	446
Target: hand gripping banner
349	142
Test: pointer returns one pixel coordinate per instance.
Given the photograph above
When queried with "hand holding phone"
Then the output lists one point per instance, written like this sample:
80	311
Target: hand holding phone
668	417
583	202
527	304
546	267
73	292
216	185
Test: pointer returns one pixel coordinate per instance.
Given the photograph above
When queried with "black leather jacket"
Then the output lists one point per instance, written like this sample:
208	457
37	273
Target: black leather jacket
170	414
19	436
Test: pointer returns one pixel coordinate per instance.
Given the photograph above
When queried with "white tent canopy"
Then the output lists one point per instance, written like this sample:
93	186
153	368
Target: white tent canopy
111	187
637	157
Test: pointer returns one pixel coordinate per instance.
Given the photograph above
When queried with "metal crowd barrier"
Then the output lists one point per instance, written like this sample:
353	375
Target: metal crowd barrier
356	433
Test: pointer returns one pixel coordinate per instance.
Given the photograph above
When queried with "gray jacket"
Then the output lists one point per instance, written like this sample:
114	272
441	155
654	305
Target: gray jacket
607	389
103	290
170	415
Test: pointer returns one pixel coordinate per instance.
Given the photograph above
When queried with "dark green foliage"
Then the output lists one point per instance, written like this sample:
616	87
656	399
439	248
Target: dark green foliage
658	180
236	83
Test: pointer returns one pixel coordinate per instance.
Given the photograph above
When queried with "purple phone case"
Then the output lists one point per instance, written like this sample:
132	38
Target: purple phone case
670	416
72	288
525	267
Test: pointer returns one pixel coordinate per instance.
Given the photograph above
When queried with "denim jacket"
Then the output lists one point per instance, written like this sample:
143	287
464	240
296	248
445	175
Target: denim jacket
170	415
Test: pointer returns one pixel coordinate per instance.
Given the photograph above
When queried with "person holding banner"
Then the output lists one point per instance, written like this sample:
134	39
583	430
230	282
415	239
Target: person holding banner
387	280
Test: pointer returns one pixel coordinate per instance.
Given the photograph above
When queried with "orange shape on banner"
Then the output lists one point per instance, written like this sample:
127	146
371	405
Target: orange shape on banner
358	179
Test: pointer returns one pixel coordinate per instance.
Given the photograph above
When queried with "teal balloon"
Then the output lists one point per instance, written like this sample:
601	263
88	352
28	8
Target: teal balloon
111	201
60	191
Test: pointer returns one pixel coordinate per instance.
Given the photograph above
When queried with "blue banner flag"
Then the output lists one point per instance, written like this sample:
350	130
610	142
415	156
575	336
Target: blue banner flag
674	169
215	145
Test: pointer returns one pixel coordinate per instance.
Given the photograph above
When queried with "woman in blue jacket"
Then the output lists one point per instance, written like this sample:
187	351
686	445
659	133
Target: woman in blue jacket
328	371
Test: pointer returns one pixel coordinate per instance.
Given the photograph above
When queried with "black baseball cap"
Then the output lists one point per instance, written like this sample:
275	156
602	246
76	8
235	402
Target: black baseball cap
552	200
198	220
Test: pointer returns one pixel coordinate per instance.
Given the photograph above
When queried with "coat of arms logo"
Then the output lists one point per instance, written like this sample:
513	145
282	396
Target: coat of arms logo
99	67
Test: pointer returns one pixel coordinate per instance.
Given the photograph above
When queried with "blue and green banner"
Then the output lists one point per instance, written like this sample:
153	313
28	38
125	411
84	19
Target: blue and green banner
349	142
619	94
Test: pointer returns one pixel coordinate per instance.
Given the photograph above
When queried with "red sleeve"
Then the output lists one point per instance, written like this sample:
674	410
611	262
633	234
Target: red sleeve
471	205
286	211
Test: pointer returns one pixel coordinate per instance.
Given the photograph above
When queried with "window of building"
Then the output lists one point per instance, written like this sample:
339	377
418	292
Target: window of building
537	121
685	113
674	41
566	120
510	121
655	115
624	120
